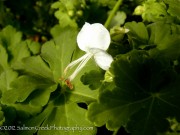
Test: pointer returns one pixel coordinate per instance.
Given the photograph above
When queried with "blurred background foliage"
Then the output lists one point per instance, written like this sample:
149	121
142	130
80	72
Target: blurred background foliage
35	18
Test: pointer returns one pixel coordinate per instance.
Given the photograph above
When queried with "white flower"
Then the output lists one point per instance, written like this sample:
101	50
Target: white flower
94	39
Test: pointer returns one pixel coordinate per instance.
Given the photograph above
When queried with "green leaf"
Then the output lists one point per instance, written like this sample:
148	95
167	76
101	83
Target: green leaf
41	97
109	3
158	32
118	19
58	53
34	47
26	110
152	11
138	34
173	8
60	117
6	78
93	79
64	17
19	52
56	5
9	37
166	41
175	29
23	86
3	59
35	65
145	94
2	118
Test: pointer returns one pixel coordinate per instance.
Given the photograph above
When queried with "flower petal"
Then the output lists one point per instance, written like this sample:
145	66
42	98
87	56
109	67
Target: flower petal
102	58
93	36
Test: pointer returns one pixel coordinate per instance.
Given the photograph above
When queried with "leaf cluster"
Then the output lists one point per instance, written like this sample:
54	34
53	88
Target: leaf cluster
155	10
31	87
144	92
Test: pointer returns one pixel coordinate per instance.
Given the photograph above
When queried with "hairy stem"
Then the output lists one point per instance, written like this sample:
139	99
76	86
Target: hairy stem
112	13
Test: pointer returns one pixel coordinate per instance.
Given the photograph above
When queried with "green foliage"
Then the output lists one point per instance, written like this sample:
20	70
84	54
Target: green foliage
31	91
157	35
62	115
152	11
2	119
118	19
108	3
141	98
138	34
68	11
173	8
93	78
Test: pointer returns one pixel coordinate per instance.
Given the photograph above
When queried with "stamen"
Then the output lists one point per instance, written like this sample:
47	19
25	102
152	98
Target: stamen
72	64
80	66
83	60
69	84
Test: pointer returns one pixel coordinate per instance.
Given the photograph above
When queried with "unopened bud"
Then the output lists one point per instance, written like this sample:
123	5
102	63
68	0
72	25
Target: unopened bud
139	10
71	13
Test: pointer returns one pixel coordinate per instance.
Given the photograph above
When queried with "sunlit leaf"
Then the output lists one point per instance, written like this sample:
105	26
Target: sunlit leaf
138	34
23	86
3	59
60	117
34	47
152	11
164	39
6	78
36	66
9	37
58	53
173	8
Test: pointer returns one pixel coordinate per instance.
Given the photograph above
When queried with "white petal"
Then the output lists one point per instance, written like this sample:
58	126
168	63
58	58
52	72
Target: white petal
93	36
102	58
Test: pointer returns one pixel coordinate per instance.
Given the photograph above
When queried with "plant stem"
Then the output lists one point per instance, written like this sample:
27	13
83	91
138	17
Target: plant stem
112	13
115	132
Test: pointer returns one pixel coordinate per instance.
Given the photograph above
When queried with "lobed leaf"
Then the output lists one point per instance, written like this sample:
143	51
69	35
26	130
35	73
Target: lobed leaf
152	11
58	53
6	78
60	117
9	37
35	65
173	8
165	40
3	59
138	34
23	86
93	79
144	96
